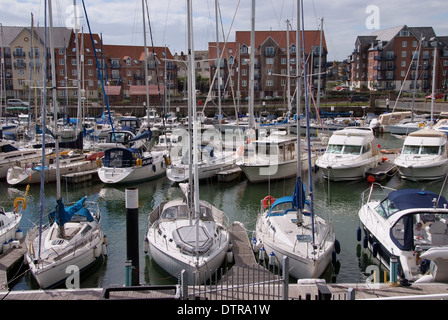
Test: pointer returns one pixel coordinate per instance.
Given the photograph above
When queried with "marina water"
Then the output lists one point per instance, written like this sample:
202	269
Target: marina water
240	200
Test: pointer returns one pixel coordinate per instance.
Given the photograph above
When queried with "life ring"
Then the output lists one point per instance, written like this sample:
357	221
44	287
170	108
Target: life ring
267	201
17	202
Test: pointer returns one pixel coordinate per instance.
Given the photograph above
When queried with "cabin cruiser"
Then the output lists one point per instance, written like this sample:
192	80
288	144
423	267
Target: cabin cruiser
410	224
273	157
424	155
351	152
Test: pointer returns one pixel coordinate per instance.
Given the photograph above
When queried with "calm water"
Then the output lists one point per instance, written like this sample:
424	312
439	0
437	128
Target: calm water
240	200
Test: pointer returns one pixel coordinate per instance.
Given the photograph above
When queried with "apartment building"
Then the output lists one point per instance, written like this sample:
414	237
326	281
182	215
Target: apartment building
400	58
122	68
271	63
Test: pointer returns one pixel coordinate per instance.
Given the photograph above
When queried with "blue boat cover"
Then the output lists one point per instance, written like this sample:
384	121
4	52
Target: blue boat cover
415	198
297	200
65	214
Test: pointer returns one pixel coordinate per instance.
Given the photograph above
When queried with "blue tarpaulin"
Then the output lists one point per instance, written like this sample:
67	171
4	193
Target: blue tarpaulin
65	214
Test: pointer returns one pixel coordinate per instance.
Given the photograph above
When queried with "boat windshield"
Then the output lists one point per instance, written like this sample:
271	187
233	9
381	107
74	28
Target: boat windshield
352	149
182	212
427	150
335	148
386	208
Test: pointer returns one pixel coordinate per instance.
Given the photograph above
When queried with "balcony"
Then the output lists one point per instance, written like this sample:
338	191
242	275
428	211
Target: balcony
20	65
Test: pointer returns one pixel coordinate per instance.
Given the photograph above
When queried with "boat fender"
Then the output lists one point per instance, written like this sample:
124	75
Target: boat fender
370	178
167	160
261	254
254	244
138	162
268	201
146	246
230	245
316	168
98	162
271	258
375	249
17	202
358	234
333	257
229	256
337	246
19	234
364	242
154	168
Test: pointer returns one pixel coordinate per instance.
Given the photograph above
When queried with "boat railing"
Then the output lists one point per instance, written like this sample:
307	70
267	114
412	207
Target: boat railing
375	192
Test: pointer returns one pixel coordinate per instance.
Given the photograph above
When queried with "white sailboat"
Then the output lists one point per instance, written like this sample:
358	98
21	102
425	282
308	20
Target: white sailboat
10	221
73	237
126	165
284	228
188	234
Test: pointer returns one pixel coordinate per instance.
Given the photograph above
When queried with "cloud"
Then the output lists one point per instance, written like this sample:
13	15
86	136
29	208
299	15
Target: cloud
120	22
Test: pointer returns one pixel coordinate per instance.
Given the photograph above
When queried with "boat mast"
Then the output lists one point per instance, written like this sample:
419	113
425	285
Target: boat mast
218	67
310	177
146	62
55	114
298	105
252	69
78	67
192	93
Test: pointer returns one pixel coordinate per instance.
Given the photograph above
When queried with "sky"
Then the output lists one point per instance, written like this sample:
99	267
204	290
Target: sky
121	21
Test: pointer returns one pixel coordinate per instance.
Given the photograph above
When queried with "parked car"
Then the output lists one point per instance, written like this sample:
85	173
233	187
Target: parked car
358	99
16	103
436	95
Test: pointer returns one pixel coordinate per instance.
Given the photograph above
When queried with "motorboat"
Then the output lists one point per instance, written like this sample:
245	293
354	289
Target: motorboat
285	228
12	154
181	239
351	152
30	173
409	224
273	157
72	239
424	155
10	222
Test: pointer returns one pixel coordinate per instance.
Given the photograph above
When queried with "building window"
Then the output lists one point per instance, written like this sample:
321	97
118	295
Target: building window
283	61
269	51
244	83
403	64
269	60
403	54
244	49
404	44
269	83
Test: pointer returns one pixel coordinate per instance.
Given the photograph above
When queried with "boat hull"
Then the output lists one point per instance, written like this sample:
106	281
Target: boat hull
112	175
428	171
53	274
263	172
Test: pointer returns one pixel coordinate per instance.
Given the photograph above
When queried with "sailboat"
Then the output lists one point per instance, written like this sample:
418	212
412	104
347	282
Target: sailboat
285	228
73	235
10	221
188	234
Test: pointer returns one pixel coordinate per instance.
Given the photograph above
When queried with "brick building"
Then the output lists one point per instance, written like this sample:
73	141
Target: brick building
388	60
271	52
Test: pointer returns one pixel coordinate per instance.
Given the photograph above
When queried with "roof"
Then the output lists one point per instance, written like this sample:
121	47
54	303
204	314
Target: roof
141	90
312	38
61	35
112	90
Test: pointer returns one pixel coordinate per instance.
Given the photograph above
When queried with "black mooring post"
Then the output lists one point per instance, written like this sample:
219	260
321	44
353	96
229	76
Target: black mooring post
132	252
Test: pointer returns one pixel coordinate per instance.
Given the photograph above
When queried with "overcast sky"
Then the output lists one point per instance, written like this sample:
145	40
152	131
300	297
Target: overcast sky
120	21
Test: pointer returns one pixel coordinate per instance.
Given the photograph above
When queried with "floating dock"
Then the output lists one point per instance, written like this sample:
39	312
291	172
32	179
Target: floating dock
229	174
77	177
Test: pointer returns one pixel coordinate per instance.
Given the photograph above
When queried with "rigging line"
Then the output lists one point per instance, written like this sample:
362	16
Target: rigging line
153	51
166	19
222	52
106	98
